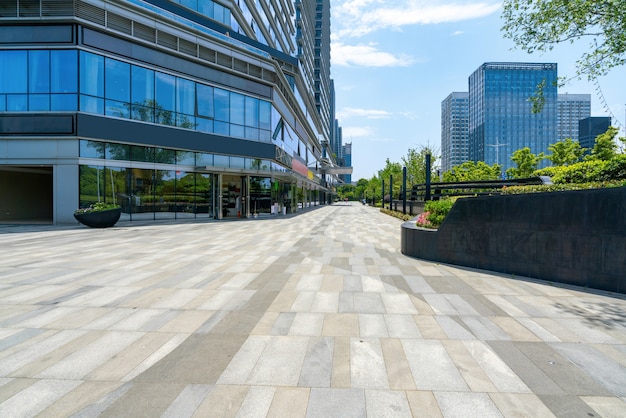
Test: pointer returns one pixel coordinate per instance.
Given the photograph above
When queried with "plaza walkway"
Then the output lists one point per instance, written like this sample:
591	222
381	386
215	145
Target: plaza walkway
315	315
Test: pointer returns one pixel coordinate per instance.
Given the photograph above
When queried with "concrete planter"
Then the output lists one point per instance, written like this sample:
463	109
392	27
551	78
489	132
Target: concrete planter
574	237
101	219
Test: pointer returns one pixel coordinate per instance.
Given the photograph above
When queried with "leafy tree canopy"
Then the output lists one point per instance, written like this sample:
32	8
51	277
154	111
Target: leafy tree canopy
526	161
538	25
605	146
415	163
471	171
565	152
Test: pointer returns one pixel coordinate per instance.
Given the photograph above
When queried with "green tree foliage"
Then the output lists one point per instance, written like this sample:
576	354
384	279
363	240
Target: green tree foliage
346	191
565	152
471	171
538	25
526	161
415	163
605	146
395	170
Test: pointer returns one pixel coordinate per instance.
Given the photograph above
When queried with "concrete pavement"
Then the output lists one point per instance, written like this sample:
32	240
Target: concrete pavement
315	315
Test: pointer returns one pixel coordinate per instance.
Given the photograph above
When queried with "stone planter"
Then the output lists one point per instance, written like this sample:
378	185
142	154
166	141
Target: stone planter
101	219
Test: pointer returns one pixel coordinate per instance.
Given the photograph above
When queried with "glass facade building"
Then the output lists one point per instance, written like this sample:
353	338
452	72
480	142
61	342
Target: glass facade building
572	109
589	128
501	120
454	130
172	109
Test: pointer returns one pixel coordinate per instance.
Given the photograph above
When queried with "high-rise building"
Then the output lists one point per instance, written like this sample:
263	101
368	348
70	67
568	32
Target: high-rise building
501	119
589	128
347	162
572	108
170	108
454	130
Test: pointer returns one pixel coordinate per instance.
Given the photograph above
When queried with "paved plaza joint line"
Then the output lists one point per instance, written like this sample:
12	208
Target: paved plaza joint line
314	315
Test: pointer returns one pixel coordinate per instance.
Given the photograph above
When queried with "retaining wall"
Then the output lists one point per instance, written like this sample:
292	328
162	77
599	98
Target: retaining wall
574	237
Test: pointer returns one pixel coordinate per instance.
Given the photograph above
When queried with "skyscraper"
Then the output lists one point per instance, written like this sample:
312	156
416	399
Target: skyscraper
454	130
501	119
572	108
171	108
590	128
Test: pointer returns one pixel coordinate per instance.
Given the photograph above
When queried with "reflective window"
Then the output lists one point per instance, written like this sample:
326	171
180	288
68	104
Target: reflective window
265	115
91	74
13	72
237	109
222	105
39	72
38	102
185	158
117	80
17	102
203	159
204	100
142	81
165	92
220	161
141	153
64	73
118	152
252	112
91	149
186	93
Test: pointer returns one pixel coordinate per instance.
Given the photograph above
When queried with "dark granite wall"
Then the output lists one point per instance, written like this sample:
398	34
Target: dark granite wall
576	237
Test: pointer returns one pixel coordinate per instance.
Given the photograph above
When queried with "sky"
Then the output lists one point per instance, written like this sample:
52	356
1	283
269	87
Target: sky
394	61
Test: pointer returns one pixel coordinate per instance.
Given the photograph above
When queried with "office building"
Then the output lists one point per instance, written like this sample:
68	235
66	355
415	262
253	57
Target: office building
172	109
501	119
571	109
589	128
346	162
454	130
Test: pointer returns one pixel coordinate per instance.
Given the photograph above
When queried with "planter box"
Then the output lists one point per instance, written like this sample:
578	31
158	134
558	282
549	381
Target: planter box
102	219
571	237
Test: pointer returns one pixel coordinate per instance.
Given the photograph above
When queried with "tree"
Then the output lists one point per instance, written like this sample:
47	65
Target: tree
415	163
605	147
395	170
565	152
526	161
471	171
537	25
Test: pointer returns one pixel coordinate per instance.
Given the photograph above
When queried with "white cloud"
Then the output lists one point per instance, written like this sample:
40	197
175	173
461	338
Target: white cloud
366	56
349	112
348	132
360	17
457	33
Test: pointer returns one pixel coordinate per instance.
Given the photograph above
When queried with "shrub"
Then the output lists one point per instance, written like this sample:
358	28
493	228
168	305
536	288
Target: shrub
562	187
437	211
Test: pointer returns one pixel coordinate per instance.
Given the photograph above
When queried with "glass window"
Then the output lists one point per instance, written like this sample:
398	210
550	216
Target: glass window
221	128
91	104
142	84
237	108
220	161
186	96
64	73
17	102
91	74
13	72
204	160
140	153
192	4
165	91
117	80
252	112
237	130
3	102
39	72
91	183
237	162
117	109
118	152
222	104
204	98
38	102
252	133
164	155
206	8
91	149
204	125
185	158
265	112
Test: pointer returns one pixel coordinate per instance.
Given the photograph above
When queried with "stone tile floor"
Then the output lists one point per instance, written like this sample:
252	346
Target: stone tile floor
314	315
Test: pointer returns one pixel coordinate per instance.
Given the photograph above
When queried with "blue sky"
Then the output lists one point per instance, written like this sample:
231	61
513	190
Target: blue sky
394	61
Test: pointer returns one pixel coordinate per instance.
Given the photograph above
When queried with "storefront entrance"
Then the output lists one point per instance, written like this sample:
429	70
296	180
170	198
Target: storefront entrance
27	194
234	196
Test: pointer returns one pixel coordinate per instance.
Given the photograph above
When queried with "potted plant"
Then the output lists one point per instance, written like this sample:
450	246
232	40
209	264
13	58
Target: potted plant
99	215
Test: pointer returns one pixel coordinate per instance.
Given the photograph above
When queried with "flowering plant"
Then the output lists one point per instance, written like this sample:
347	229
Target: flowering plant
422	220
97	207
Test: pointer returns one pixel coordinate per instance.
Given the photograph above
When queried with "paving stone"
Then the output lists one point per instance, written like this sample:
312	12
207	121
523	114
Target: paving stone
314	314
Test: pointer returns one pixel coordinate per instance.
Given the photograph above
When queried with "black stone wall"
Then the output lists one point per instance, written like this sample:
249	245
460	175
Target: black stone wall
575	237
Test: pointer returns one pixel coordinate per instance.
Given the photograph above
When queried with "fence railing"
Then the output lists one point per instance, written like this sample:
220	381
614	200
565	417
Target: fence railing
434	191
